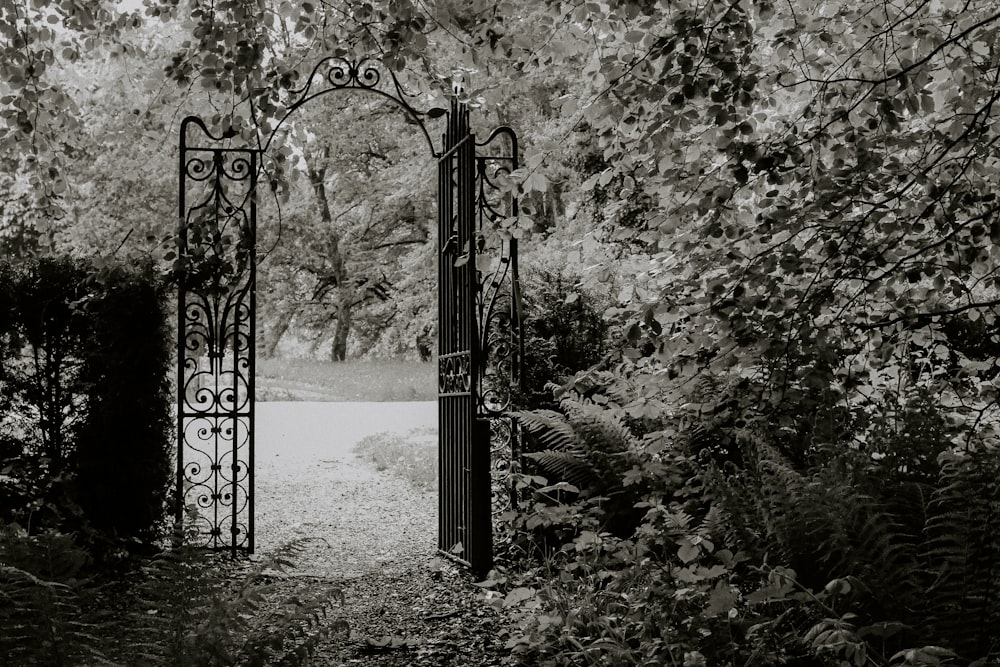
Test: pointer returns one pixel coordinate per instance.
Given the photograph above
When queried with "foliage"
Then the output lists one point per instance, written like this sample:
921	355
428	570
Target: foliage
564	332
128	427
185	606
37	110
44	392
850	559
193	609
586	452
809	319
85	366
45	589
351	258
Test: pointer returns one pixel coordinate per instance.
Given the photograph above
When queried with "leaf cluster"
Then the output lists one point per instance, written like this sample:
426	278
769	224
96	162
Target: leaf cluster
564	332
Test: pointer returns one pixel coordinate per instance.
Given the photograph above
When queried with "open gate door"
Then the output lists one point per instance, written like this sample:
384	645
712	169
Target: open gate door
479	339
465	530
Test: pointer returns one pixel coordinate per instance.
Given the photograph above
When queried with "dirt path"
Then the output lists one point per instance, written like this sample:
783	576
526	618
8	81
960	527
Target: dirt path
310	483
402	606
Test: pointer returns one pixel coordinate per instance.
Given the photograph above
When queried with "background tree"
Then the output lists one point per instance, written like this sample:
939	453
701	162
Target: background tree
356	236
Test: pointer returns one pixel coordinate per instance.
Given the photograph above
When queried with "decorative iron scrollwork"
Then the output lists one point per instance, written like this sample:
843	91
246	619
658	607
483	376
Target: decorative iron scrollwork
216	307
216	479
498	297
366	74
454	373
344	73
503	466
498	311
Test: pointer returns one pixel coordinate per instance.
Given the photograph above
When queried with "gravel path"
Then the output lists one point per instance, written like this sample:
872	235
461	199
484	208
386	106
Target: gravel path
400	606
310	483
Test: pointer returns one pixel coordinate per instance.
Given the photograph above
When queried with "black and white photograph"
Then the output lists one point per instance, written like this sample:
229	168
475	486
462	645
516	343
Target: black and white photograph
499	333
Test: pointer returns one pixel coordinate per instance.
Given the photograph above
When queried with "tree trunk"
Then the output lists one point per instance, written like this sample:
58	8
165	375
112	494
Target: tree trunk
343	328
272	335
336	272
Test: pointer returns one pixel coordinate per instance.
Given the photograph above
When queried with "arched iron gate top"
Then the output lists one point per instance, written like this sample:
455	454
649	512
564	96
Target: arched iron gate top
365	74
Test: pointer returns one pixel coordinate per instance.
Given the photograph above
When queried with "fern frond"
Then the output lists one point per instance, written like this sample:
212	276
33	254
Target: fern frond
961	550
43	620
551	428
564	466
193	610
280	560
599	428
704	388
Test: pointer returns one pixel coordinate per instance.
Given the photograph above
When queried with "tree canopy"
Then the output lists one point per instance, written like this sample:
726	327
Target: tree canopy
786	173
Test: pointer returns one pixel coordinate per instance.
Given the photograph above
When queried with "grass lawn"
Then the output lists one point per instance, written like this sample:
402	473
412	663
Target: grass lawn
354	380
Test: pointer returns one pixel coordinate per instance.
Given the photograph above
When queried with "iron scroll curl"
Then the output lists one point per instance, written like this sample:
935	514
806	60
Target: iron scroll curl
335	73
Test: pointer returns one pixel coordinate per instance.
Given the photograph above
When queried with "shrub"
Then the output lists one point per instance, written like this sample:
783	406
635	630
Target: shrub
750	548
564	332
44	396
86	430
128	424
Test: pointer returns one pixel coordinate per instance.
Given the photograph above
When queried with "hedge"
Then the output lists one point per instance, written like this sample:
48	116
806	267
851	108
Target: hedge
85	429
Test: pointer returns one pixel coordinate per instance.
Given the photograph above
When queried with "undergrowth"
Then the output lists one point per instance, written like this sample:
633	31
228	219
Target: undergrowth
184	606
653	536
194	607
45	596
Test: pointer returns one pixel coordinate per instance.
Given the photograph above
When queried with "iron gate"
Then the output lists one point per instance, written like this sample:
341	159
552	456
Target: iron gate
479	351
478	338
216	309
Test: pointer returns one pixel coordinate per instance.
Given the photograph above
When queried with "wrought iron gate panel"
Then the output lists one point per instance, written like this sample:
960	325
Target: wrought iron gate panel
498	310
464	529
479	352
216	310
